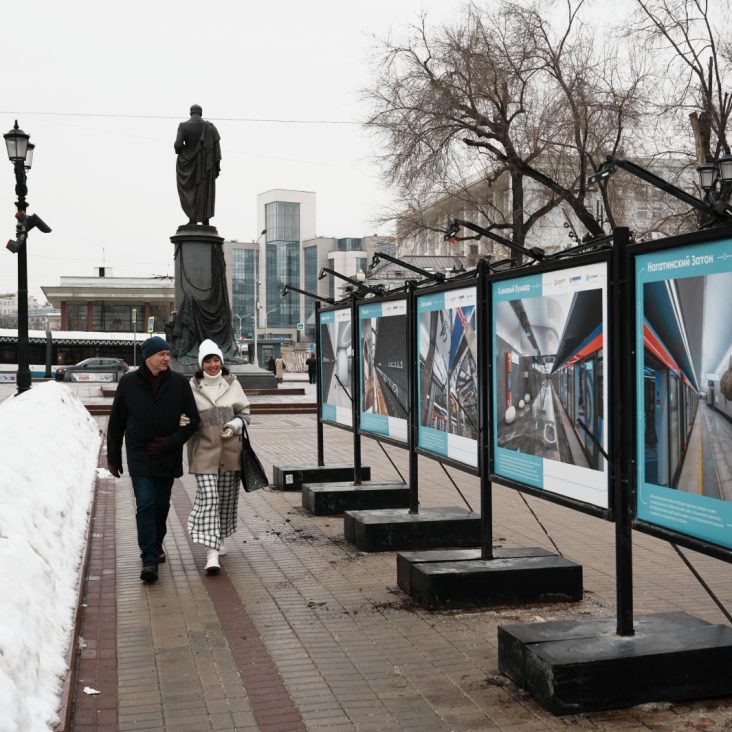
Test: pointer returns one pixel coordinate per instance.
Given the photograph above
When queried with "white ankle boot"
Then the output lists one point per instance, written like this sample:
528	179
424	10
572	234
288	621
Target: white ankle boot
223	551
212	561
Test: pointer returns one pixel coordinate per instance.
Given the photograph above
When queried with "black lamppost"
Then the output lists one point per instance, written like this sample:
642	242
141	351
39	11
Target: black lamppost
20	153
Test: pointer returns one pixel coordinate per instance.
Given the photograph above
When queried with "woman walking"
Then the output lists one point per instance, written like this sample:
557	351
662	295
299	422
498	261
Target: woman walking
280	368
214	453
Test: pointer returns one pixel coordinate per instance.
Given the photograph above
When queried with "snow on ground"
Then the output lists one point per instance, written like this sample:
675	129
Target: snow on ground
49	446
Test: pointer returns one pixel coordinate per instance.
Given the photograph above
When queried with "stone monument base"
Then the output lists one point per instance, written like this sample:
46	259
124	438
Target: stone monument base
249	376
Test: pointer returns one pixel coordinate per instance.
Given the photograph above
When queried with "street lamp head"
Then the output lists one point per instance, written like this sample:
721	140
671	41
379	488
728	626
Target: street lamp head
725	167
707	173
29	156
285	289
322	273
16	142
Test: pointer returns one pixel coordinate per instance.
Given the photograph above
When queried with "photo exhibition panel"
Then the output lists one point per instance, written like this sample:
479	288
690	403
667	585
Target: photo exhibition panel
550	382
448	376
383	394
336	366
684	390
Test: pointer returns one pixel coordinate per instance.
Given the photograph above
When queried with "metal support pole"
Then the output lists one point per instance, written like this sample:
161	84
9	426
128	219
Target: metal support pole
256	312
485	353
413	406
23	377
319	387
134	337
622	399
355	394
49	349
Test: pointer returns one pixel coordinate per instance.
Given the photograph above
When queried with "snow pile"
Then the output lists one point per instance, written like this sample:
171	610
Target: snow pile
49	446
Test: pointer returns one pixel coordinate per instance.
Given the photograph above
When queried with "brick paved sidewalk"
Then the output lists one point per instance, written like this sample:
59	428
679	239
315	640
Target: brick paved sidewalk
302	631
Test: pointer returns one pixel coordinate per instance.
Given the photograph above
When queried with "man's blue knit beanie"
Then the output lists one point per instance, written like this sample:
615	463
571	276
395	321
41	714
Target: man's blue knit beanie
154	345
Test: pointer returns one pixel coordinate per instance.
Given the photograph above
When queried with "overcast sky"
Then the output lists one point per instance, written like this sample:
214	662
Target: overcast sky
101	87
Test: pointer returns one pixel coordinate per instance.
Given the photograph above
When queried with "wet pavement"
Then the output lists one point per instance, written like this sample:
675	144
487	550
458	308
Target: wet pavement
301	630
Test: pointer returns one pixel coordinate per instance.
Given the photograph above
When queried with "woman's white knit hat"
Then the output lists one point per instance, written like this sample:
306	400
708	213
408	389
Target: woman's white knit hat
208	348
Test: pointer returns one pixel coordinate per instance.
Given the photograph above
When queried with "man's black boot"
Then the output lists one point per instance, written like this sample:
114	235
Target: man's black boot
149	573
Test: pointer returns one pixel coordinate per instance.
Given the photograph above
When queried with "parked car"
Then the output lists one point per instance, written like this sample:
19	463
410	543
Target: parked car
91	369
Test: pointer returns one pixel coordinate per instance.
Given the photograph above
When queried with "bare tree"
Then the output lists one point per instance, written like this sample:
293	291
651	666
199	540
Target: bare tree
500	94
699	66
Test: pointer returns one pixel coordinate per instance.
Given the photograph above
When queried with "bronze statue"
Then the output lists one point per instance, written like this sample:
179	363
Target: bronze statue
197	167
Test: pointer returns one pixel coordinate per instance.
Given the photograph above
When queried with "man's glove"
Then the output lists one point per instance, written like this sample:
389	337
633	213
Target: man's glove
116	471
158	447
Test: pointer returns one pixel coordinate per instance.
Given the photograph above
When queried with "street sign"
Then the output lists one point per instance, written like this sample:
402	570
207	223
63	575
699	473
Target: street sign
151	324
301	326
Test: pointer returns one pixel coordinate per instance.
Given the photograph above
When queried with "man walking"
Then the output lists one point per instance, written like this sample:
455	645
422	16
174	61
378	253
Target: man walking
312	365
155	412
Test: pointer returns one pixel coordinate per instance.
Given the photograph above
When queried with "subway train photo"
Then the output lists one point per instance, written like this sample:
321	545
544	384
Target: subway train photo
550	377
687	384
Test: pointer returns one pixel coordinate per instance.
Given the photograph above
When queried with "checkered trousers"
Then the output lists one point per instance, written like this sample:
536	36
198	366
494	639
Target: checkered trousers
214	510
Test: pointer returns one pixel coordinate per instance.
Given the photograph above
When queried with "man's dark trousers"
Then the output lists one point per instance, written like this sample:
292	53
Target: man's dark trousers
152	496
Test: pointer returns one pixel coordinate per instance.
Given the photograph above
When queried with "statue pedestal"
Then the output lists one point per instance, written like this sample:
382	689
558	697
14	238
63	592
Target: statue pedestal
195	246
202	307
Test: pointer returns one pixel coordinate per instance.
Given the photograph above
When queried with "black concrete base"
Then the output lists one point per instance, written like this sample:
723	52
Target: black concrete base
329	499
291	477
579	666
461	578
394	529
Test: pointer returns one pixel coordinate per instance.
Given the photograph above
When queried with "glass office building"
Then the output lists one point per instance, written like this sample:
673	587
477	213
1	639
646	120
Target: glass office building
311	285
244	267
282	246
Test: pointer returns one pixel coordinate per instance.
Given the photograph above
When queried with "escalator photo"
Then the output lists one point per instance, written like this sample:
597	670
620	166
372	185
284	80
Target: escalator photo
448	380
384	384
336	366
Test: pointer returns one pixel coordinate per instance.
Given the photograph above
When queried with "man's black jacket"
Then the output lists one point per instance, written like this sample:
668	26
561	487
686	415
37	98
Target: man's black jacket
140	416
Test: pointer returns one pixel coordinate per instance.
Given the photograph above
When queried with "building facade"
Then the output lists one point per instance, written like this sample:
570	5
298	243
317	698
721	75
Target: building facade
39	316
646	210
112	304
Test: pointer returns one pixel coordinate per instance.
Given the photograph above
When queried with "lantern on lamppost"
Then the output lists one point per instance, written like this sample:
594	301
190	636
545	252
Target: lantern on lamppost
715	179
